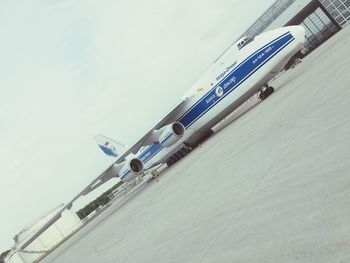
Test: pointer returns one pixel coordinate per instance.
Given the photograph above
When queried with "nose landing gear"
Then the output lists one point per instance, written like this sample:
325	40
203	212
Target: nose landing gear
265	92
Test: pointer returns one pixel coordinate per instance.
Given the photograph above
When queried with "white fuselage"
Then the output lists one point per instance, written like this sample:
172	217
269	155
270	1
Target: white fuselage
237	75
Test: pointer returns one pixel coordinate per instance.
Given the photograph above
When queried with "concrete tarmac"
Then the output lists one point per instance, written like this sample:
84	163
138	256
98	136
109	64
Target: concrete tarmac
273	186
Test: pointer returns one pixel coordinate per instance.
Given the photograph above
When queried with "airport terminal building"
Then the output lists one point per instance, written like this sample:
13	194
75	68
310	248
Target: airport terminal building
320	18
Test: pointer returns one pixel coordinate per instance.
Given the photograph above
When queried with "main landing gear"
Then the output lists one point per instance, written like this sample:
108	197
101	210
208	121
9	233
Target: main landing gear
265	92
178	155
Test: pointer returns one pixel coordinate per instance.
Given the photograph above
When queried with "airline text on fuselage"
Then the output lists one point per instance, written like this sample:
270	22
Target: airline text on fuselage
227	70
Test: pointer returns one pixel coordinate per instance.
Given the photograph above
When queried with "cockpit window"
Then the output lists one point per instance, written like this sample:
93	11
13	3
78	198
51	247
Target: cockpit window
245	41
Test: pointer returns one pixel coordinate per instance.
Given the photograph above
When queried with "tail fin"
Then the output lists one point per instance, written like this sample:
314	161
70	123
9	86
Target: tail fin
109	146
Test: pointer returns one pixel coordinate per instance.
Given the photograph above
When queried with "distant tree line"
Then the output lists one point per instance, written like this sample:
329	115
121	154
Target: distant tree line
102	200
3	255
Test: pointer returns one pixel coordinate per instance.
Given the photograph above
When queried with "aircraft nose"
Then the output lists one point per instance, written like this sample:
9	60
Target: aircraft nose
299	33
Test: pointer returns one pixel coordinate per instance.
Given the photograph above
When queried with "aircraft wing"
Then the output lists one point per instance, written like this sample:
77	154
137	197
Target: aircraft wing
145	140
108	173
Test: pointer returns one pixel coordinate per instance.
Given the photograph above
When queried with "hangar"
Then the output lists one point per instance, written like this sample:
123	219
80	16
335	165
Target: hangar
321	18
54	235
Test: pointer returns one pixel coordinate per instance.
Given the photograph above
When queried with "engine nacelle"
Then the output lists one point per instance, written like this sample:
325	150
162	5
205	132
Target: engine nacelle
170	134
128	170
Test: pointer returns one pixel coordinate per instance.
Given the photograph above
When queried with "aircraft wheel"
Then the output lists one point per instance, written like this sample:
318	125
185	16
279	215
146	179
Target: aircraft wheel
181	152
179	155
176	157
267	92
262	96
184	151
270	90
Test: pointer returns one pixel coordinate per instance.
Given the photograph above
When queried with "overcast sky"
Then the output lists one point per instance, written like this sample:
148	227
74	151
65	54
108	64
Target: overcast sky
72	68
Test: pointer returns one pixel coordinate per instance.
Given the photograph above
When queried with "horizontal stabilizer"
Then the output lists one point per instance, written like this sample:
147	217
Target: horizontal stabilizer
109	146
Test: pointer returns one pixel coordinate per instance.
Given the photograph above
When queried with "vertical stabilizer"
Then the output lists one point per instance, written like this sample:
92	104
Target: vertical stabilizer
109	146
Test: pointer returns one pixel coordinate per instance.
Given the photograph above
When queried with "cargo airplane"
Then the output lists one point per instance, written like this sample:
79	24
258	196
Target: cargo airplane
244	69
240	72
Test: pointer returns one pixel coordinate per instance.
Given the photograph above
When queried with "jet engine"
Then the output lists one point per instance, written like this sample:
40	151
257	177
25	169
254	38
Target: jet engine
128	169
170	134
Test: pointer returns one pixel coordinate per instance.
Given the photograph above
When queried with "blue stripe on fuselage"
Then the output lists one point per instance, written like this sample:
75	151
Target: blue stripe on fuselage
167	138
149	152
259	50
123	176
238	75
234	79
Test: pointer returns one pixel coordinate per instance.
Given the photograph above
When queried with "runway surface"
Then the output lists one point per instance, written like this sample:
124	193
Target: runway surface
273	186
